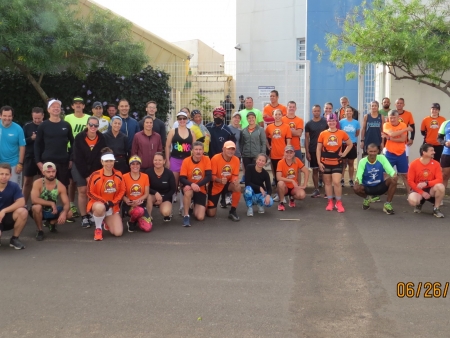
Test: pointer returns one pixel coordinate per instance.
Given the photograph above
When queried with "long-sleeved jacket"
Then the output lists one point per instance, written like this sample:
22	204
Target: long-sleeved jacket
86	160
219	135
145	147
254	143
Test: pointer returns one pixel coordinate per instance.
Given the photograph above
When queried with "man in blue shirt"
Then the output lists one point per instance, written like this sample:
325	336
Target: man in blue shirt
129	125
12	144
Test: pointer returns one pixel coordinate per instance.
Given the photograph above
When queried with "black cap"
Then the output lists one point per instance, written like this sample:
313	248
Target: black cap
241	96
436	105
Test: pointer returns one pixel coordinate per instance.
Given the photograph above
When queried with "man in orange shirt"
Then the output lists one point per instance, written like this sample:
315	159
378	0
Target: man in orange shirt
195	173
430	130
297	125
407	118
426	182
270	108
396	134
225	177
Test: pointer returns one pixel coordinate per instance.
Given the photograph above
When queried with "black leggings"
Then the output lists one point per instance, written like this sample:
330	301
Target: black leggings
248	160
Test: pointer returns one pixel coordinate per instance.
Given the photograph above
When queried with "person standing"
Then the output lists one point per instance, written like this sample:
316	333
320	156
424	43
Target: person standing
200	131
13	214
407	118
118	142
313	128
352	128
158	125
235	127
228	106
12	144
129	125
146	144
328	110
242	102
340	112
30	169
111	110
430	129
103	121
249	108
385	107
220	133
269	109
297	125
372	128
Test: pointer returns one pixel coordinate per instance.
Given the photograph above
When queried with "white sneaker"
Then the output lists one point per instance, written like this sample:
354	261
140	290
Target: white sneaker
260	209
250	211
276	198
228	200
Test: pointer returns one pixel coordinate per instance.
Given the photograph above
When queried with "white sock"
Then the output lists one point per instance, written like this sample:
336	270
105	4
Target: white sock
98	222
180	198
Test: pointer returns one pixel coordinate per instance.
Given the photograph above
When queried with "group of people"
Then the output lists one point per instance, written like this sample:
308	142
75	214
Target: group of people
124	168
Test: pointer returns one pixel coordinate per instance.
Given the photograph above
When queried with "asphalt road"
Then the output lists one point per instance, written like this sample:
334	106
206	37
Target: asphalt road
324	275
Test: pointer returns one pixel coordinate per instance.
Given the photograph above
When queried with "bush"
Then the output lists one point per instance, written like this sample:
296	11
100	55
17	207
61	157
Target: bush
99	85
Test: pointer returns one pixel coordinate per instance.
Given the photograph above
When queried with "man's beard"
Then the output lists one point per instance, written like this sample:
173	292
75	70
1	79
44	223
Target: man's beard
50	178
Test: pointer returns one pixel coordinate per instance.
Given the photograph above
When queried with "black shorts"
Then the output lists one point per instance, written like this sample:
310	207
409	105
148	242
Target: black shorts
62	172
313	163
432	200
353	152
445	161
214	199
30	167
8	222
332	169
199	198
376	190
438	152
165	198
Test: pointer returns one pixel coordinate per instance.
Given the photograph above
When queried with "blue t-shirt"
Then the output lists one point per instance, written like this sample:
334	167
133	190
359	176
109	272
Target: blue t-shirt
372	174
10	194
11	139
350	127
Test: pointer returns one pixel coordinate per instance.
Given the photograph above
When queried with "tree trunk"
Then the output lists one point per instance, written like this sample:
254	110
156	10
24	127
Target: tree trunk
36	85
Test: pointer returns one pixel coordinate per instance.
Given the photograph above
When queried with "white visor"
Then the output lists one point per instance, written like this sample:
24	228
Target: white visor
108	157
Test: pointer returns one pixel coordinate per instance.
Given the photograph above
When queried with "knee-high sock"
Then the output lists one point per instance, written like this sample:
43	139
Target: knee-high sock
98	221
235	197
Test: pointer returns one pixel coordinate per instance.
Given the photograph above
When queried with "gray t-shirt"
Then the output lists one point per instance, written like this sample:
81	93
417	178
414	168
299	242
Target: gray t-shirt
314	128
237	134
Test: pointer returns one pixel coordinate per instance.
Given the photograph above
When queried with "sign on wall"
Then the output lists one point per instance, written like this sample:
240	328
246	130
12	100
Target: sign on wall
264	91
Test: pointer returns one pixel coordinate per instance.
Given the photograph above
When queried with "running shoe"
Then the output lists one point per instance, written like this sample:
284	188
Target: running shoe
16	244
250	211
223	204
131	226
105	226
52	227
40	236
167	218
281	207
85	222
330	206
351	183
339	206
388	208
321	184
260	209
418	209
316	193
186	221
91	220
233	216
342	182
75	212
291	203
366	203
180	211
98	235
437	213
276	198
228	200
374	199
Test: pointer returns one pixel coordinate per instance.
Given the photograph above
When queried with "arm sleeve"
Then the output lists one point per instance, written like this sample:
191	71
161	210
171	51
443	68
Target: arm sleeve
360	170
173	187
413	133
184	180
437	177
71	139
386	165
267	183
118	197
91	190
38	144
248	181
411	182
206	179
262	141
135	145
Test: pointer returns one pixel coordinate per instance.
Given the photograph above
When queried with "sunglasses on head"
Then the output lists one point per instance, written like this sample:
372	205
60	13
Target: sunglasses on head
93	125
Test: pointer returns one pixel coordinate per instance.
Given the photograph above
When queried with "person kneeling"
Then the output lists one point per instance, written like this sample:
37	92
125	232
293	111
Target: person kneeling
426	182
370	179
105	191
44	196
288	173
257	186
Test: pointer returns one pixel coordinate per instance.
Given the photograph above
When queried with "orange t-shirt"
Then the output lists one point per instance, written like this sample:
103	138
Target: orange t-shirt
294	123
396	148
331	143
91	143
101	188
268	110
431	126
195	172
135	189
406	117
290	171
221	168
419	172
278	135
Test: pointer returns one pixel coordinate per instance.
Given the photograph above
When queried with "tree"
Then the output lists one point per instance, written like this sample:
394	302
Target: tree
410	38
46	37
203	104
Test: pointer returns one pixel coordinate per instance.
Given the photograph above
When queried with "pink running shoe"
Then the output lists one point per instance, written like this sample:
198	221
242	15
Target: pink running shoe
339	206
329	205
281	207
105	226
291	203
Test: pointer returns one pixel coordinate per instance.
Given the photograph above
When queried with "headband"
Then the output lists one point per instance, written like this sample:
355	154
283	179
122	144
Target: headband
107	157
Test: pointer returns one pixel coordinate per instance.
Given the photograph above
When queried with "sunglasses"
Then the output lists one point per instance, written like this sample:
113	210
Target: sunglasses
135	163
98	107
93	125
181	118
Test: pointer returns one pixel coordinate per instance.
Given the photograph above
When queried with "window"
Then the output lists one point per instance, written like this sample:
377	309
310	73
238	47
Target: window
301	51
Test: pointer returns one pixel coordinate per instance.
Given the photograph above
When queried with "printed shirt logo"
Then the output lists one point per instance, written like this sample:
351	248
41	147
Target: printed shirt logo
401	120
290	173
110	187
226	170
78	128
182	148
276	133
373	174
291	125
64	128
425	173
136	190
197	174
434	124
332	141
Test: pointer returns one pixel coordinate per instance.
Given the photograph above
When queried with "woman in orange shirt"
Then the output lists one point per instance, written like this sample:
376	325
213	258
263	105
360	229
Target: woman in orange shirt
105	191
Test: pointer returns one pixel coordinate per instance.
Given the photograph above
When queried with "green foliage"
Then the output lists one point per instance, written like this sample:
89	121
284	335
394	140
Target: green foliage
203	104
99	85
411	38
42	37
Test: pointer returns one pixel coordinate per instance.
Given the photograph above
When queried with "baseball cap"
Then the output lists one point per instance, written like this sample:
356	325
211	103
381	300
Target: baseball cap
53	101
219	111
289	148
436	105
97	104
236	113
182	113
135	159
241	96
229	144
78	99
48	165
251	113
195	112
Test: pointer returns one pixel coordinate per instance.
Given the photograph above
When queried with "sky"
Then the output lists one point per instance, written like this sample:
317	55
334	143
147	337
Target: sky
211	21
